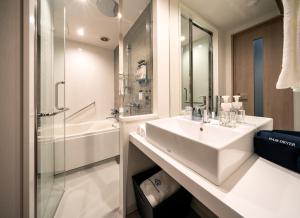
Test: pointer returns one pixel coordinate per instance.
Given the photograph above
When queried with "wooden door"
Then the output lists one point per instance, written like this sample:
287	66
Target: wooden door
277	104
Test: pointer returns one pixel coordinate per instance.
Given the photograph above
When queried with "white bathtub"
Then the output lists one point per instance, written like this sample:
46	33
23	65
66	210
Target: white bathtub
86	143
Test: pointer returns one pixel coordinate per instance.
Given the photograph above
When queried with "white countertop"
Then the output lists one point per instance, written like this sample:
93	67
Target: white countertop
137	117
259	188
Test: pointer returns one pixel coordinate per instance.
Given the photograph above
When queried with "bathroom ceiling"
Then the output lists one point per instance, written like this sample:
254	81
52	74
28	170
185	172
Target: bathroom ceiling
231	14
85	14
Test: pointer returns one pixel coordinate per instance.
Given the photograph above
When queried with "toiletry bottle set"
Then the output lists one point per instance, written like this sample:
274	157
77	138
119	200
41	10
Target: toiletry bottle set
231	112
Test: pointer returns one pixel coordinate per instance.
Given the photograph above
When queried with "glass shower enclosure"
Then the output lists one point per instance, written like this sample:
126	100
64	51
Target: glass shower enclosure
50	106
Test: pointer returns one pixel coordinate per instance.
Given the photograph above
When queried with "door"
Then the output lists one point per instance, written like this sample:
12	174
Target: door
257	58
50	103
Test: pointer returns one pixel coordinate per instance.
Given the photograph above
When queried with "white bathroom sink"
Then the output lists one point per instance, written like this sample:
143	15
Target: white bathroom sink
213	151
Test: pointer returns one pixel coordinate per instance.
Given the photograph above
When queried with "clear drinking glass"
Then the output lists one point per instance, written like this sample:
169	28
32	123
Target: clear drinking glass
233	119
223	118
241	116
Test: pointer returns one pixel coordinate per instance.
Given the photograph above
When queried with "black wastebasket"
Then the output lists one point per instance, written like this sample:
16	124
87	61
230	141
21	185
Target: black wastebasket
175	206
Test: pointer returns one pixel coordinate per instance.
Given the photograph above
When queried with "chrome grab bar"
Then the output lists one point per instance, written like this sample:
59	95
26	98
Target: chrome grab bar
85	107
52	113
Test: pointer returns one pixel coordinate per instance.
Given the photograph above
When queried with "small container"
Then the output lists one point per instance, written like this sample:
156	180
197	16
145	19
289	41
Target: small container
213	115
140	95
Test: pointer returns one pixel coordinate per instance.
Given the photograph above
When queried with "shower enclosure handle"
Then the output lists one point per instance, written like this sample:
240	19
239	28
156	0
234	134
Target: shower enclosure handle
56	95
52	113
185	91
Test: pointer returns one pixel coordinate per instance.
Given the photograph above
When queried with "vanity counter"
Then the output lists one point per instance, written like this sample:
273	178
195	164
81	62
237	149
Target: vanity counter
259	188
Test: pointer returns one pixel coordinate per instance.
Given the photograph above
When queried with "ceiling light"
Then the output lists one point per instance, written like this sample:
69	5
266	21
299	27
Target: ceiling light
83	1
104	39
119	15
182	38
31	19
80	32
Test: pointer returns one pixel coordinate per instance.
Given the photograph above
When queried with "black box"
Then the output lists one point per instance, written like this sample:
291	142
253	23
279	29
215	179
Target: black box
280	147
175	206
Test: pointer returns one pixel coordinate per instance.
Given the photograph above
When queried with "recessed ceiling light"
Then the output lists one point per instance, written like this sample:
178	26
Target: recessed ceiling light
104	39
182	38
83	1
80	31
119	15
31	19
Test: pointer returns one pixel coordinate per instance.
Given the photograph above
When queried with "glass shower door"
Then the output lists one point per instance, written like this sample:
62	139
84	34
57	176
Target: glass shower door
50	98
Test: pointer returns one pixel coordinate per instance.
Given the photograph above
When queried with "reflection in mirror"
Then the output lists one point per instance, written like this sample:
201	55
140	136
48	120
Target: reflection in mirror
137	76
196	64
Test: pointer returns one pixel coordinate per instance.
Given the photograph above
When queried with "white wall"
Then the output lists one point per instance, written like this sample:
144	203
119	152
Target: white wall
89	77
161	67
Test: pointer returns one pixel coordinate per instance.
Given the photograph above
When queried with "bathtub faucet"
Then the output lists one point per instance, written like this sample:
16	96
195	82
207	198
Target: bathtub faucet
114	113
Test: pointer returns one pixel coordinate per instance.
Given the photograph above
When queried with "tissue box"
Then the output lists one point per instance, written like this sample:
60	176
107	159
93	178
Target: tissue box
280	147
176	206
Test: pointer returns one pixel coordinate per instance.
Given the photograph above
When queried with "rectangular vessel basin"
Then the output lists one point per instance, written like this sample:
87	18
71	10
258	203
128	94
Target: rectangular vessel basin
213	151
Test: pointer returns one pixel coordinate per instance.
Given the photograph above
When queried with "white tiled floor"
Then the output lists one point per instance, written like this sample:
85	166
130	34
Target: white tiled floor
91	193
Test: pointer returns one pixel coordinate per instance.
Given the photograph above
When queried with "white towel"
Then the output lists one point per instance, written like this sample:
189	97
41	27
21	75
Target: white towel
290	73
159	187
141	72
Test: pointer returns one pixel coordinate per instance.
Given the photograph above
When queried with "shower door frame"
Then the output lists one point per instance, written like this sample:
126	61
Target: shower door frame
37	113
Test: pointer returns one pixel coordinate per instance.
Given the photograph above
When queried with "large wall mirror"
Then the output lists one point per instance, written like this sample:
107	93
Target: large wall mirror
237	52
196	64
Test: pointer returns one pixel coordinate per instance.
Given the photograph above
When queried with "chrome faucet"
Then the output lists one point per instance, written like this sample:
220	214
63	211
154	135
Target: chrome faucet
197	113
200	112
115	114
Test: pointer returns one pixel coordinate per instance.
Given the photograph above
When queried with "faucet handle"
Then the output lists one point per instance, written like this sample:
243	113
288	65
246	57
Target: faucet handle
114	111
197	111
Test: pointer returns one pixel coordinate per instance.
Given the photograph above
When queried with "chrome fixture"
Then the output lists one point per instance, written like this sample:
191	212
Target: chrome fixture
56	95
185	91
200	112
82	109
115	114
108	7
197	113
